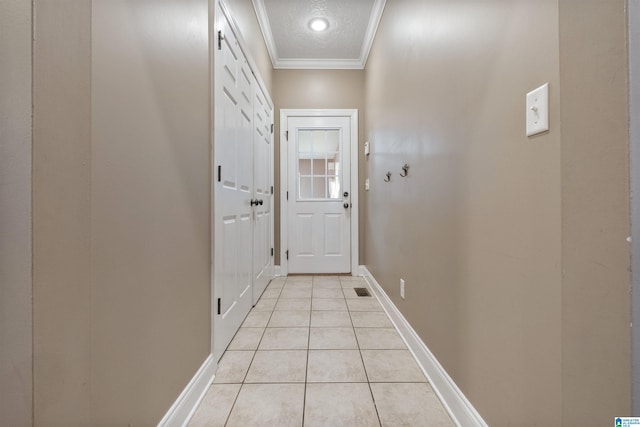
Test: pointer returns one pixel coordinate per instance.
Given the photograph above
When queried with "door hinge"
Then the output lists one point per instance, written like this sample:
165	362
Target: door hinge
287	253
286	135
220	38
271	127
287	195
272	189
271	251
219	173
219	305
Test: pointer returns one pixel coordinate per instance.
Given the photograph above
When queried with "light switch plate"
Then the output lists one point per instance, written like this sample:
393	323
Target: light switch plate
538	110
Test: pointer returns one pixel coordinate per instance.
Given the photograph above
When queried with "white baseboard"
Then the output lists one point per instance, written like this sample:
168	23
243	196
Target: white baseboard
276	271
460	409
185	406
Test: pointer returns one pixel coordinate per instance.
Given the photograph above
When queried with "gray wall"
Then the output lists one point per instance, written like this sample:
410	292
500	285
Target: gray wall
596	362
150	205
634	114
121	206
62	212
513	248
15	214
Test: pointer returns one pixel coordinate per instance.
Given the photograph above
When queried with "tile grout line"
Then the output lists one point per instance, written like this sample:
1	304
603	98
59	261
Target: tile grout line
306	370
375	406
244	378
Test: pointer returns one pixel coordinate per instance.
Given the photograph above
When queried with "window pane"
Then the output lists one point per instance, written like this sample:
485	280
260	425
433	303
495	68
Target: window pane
333	140
319	188
334	166
319	164
319	167
305	190
319	144
333	188
304	141
304	166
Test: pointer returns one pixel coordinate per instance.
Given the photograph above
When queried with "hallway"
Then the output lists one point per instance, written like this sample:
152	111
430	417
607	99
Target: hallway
503	259
313	353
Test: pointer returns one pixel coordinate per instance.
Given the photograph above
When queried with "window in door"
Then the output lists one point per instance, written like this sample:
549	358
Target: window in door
319	165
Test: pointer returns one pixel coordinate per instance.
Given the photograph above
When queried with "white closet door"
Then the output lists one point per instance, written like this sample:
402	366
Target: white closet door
263	200
233	189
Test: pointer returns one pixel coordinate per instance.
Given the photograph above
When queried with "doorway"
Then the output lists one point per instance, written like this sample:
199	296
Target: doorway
319	191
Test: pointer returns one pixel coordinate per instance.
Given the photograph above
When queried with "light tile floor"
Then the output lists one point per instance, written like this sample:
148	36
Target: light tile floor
313	353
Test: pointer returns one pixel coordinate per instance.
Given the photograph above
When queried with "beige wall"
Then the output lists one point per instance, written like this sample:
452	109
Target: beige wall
62	212
245	16
15	214
596	346
121	204
318	89
513	248
475	228
150	205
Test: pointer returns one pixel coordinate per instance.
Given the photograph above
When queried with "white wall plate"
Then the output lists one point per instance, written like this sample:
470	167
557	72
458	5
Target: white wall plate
538	110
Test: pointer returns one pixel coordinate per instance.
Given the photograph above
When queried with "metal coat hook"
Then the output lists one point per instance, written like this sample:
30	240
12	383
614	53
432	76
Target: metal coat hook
388	178
405	168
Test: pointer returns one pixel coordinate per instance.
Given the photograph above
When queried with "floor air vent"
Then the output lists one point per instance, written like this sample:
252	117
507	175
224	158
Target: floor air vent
362	292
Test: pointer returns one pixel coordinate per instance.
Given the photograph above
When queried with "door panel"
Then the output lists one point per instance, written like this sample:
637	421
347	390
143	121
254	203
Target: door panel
262	148
318	177
332	234
233	188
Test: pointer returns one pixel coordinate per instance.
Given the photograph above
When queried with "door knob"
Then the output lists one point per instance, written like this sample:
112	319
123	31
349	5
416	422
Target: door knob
259	202
254	202
346	205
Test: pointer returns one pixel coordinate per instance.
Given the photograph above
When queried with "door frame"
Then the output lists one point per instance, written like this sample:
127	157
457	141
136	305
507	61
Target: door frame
352	114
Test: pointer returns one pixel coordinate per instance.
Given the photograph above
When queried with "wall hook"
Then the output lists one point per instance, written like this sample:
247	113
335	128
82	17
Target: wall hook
405	168
388	178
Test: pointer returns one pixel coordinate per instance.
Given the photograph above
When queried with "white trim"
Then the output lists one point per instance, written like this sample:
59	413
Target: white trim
316	63
265	27
372	29
276	271
284	166
320	64
187	403
455	402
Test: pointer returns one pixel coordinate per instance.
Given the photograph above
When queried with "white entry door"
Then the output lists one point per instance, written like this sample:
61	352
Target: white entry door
233	189
319	194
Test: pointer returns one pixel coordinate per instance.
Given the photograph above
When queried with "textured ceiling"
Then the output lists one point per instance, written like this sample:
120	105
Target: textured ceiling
345	44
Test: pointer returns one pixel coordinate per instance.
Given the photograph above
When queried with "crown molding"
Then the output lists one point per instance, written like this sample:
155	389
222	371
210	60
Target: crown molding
265	27
372	29
326	64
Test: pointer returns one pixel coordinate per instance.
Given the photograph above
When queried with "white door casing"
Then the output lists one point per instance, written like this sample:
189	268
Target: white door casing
319	153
